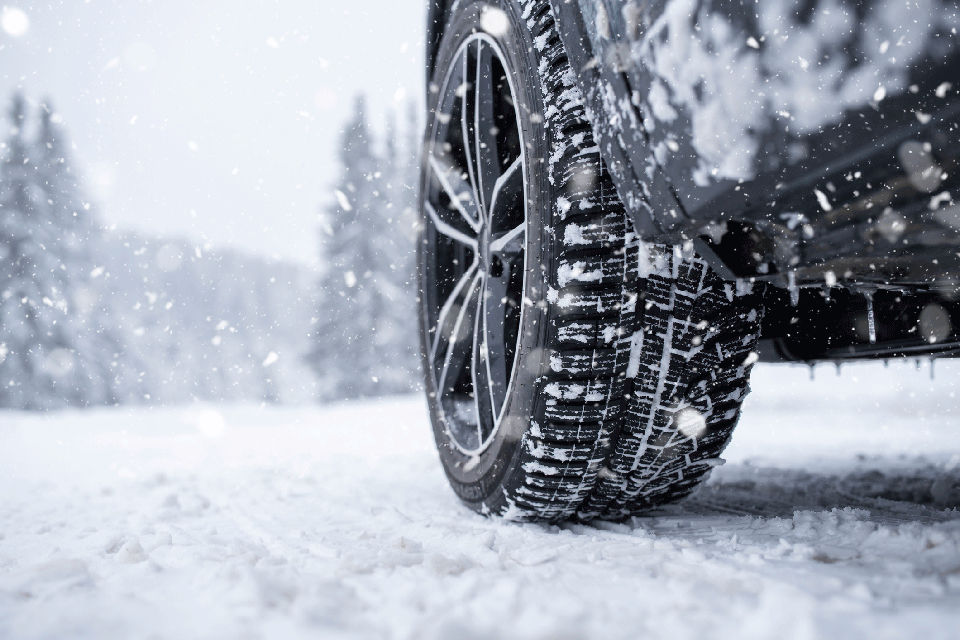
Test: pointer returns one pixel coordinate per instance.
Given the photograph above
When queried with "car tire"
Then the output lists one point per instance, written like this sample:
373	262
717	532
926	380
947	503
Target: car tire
560	426
693	345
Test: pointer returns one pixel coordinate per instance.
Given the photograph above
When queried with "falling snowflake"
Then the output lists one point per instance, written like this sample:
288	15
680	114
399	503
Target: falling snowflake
271	358
494	21
690	422
342	200
14	21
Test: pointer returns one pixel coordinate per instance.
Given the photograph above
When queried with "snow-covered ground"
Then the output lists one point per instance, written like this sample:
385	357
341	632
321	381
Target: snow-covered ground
837	515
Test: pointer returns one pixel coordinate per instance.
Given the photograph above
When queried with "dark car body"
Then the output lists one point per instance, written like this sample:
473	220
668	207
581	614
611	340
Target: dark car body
813	145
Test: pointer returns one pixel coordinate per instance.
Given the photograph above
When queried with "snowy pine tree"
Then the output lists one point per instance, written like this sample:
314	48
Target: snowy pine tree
37	358
396	275
61	345
365	340
100	362
342	350
344	354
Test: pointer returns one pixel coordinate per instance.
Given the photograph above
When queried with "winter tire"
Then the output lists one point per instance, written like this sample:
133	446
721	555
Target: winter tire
566	364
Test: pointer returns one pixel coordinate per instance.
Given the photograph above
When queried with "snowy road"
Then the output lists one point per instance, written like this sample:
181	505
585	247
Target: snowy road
837	515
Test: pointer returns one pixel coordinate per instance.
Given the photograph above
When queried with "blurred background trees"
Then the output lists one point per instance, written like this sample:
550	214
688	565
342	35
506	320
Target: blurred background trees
365	325
94	316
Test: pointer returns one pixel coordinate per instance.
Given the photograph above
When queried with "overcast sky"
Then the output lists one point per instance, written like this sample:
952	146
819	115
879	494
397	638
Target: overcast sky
213	119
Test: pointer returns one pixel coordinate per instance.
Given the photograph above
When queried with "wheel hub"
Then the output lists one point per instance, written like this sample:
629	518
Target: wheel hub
483	248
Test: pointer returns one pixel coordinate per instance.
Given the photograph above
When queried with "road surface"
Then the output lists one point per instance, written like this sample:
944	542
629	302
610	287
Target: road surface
837	514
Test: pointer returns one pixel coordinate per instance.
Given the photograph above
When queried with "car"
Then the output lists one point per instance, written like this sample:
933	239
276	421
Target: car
626	204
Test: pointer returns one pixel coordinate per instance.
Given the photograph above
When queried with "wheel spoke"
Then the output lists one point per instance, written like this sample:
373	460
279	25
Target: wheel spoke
485	155
507	193
510	243
448	230
451	308
466	127
494	318
481	372
458	189
456	345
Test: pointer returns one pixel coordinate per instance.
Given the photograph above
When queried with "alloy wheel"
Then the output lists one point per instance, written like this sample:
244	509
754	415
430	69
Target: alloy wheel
474	258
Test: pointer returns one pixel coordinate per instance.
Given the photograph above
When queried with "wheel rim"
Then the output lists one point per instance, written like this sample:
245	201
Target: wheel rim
474	260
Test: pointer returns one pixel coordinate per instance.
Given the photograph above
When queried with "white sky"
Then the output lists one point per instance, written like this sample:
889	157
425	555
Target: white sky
213	119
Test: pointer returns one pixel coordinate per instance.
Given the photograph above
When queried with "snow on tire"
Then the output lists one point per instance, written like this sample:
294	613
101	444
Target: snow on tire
588	427
691	351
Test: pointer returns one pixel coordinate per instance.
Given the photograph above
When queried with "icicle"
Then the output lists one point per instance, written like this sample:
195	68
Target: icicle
871	319
812	369
794	289
932	360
